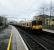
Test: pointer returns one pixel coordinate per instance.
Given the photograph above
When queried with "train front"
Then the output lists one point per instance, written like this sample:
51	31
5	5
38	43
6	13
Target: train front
37	24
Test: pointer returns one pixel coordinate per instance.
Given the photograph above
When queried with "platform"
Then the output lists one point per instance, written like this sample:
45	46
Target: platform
17	41
48	30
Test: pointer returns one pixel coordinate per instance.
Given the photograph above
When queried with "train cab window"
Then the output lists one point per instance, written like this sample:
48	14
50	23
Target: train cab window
33	22
37	22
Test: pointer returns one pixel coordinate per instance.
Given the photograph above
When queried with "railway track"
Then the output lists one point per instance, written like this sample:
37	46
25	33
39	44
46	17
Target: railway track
46	42
32	43
38	42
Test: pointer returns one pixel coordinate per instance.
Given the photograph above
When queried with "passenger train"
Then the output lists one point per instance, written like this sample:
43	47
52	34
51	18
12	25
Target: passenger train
35	24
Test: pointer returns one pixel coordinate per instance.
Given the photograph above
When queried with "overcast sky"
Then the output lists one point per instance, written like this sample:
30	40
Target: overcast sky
21	8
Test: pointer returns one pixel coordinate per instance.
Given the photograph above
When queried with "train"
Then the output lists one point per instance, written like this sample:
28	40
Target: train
35	24
3	22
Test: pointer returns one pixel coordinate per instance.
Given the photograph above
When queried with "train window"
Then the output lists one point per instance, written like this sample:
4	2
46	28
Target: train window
33	22
39	22
52	19
27	24
36	22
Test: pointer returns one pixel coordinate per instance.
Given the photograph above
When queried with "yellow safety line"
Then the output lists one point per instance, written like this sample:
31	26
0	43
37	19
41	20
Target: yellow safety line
9	42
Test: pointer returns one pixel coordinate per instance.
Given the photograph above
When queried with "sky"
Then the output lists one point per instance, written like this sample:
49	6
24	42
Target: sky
21	9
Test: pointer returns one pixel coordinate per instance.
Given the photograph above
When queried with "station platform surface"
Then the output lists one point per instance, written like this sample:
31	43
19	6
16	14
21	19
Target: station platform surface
4	38
17	41
48	30
10	39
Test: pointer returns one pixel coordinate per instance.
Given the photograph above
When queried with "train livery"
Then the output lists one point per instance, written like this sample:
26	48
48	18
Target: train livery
35	24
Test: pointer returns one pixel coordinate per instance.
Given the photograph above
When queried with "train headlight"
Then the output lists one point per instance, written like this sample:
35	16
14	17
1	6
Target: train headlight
33	27
37	27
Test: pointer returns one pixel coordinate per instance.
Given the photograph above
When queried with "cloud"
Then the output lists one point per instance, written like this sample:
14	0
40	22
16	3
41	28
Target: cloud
21	8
